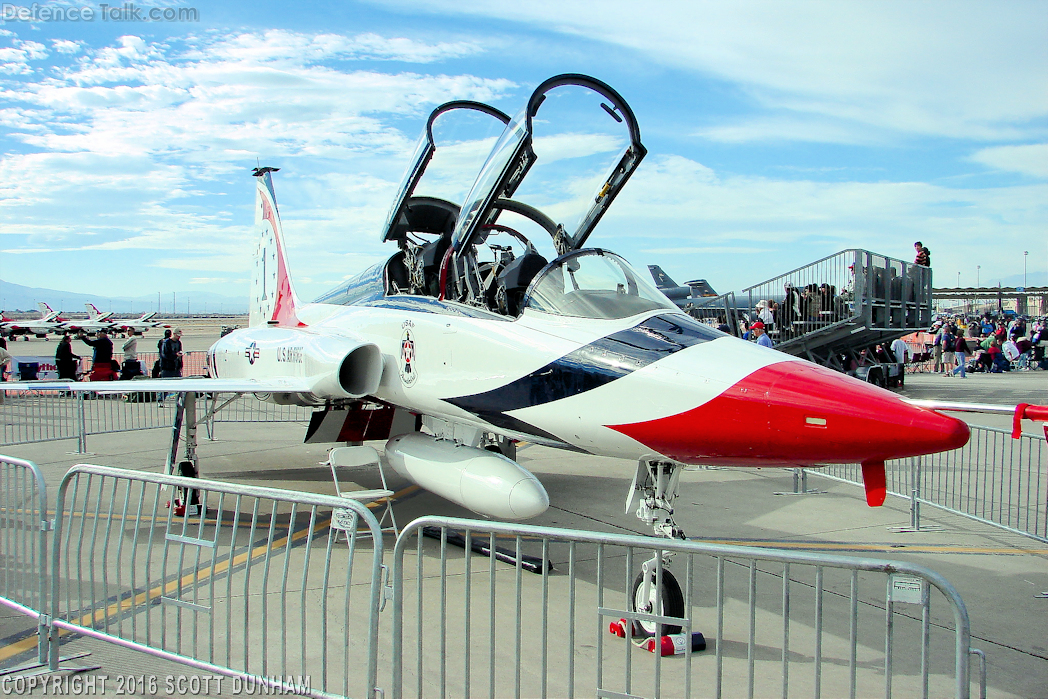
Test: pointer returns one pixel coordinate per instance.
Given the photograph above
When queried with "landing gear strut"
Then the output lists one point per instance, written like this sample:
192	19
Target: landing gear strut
655	590
655	486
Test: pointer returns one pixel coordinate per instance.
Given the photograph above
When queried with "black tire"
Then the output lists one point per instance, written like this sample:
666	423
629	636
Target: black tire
672	604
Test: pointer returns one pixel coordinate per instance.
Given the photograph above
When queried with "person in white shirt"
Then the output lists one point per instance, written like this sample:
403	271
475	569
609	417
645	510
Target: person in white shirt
901	351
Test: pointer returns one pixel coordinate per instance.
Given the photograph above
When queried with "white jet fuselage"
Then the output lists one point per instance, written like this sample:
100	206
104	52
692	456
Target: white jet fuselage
650	385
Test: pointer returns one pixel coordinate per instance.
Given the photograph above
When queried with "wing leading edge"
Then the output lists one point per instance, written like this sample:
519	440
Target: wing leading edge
172	385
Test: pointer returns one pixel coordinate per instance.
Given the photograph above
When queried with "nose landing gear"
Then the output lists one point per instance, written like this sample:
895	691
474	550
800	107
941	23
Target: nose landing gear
657	597
655	590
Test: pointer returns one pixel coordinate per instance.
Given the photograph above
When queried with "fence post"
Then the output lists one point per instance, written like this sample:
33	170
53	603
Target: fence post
81	447
915	493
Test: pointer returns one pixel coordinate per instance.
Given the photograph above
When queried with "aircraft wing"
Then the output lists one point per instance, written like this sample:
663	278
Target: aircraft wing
173	385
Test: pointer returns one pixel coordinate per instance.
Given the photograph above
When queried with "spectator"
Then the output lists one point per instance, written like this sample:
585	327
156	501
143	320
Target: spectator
131	366
936	348
5	361
65	360
961	352
757	331
765	315
130	347
901	351
948	341
924	255
171	355
102	358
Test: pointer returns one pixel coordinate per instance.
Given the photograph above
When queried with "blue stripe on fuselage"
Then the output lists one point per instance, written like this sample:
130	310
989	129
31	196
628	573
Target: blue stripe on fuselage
591	366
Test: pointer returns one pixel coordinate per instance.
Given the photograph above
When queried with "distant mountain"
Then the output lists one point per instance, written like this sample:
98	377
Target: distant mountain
14	298
1032	279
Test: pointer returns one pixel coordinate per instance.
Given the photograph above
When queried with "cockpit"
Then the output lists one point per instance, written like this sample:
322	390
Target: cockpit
493	251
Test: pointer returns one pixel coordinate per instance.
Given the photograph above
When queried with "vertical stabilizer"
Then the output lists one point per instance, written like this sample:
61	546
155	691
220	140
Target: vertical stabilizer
662	280
273	299
45	311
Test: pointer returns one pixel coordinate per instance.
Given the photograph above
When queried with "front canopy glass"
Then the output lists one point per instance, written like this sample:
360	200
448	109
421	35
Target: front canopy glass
594	284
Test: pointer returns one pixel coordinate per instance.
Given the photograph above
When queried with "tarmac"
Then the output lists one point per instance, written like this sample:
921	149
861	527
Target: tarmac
1002	576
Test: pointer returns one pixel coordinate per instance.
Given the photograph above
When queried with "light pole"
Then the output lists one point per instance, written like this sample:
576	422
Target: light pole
958	280
1026	254
977	269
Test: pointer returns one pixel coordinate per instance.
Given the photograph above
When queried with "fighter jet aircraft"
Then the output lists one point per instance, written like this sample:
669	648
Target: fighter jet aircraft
454	353
48	322
681	295
94	314
139	325
96	320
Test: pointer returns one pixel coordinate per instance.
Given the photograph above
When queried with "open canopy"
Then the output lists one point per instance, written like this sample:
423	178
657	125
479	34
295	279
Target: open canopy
426	214
513	157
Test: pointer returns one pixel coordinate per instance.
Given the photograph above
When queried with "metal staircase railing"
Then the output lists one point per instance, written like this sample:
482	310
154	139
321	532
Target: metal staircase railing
845	302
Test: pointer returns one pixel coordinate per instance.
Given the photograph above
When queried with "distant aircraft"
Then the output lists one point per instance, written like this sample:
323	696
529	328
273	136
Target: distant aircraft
48	322
140	325
96	320
94	314
681	295
578	352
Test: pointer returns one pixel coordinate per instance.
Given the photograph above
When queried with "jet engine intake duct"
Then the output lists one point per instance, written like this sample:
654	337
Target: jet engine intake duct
332	366
357	373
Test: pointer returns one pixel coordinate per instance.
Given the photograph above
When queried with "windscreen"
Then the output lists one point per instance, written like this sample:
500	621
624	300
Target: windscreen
594	284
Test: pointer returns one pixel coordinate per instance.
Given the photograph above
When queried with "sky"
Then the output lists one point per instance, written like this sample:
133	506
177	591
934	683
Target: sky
778	132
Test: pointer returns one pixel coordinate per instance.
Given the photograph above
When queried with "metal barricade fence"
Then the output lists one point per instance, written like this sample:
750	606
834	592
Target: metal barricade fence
776	622
994	479
225	589
35	416
23	542
31	416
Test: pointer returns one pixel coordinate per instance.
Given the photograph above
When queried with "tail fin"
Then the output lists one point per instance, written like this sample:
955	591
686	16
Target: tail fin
148	315
273	298
662	280
45	311
92	312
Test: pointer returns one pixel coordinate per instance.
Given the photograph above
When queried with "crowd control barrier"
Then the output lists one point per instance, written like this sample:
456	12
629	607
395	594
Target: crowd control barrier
993	479
24	526
282	591
220	577
775	623
44	416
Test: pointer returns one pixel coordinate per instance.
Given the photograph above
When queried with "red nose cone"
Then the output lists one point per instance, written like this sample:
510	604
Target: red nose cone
797	413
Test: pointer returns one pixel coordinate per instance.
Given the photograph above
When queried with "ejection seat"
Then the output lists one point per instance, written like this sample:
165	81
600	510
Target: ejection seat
514	279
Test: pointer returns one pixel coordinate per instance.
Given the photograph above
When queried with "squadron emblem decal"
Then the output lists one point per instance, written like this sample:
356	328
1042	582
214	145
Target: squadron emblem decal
408	373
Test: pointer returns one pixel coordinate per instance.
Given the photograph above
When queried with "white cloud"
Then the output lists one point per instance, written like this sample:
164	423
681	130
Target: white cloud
14	60
965	69
1029	159
710	225
142	147
284	47
66	46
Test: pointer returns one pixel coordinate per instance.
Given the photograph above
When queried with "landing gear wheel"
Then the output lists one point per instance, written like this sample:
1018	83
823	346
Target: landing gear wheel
672	604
